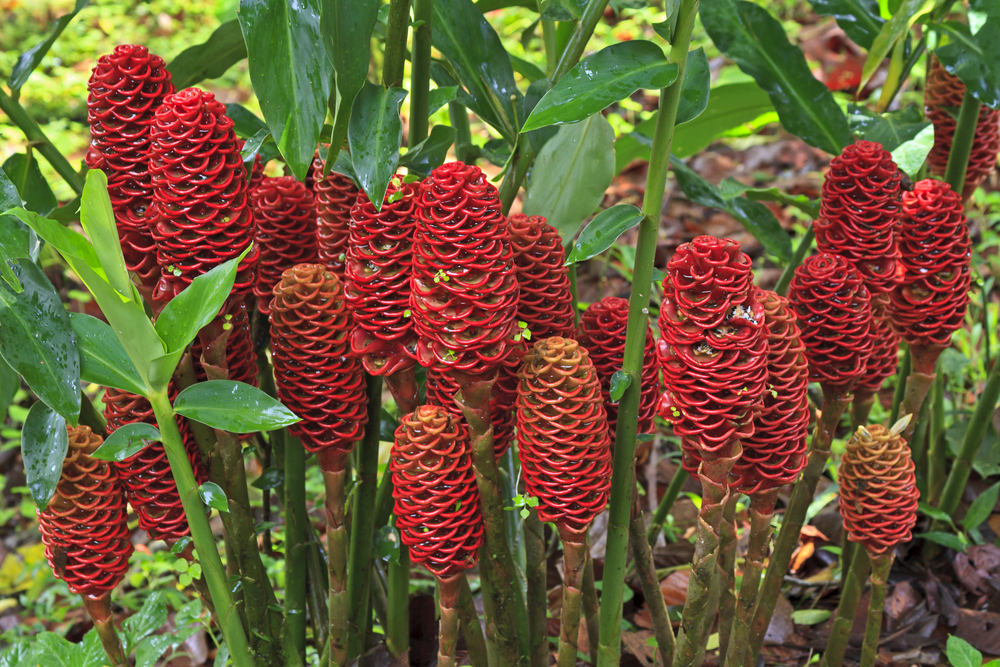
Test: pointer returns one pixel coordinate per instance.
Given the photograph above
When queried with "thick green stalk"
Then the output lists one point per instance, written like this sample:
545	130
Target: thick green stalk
296	517
880	575
420	71
635	340
574	559
99	609
395	42
201	532
864	400
459	115
961	143
448	594
506	614
935	463
798	256
923	360
591	608
574	294
538	635
644	567
359	562
318	577
727	574
33	133
397	632
902	373
836	401
663	509
853	584
332	464
468	616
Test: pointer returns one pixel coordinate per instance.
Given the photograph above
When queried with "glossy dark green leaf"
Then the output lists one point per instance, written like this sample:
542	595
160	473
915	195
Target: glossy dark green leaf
860	19
748	34
600	80
9	197
127	441
67	213
620	381
570	174
43	446
975	59
496	151
695	88
98	220
30	59
464	36
890	129
947	540
252	147
103	360
37	342
440	97
387	426
210	59
245	122
893	30
528	70
232	406
290	68
347	25
754	216
374	134
730	188
271	478
541	136
981	508
344	166
213	496
17	241
601	233
10	382
26	176
387	543
429	153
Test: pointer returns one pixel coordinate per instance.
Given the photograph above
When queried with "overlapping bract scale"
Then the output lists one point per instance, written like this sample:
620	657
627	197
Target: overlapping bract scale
545	303
286	232
442	389
335	196
885	348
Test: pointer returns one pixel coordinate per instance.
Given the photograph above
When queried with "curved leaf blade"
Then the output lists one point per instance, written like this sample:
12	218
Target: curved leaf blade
975	59
860	19
892	31
232	406
695	88
127	441
44	442
26	176
103	360
98	220
213	496
30	59
210	59
601	233
347	25
374	134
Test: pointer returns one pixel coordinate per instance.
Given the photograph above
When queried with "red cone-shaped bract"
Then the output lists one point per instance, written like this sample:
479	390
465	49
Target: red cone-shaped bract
84	528
835	315
602	332
434	486
465	291
203	216
126	88
943	95
878	489
146	477
712	348
545	302
860	211
776	452
929	303
286	232
377	279
318	377
335	196
885	347
562	434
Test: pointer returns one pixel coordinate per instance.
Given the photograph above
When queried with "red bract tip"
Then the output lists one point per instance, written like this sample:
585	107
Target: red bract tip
545	303
335	196
434	486
286	232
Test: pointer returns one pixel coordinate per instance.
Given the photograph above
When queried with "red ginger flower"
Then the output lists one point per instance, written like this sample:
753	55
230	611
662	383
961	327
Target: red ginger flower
465	291
776	452
126	88
878	489
712	348
377	279
146	477
942	92
286	232
860	211
545	303
203	217
317	376
562	434
434	486
84	528
834	310
885	348
929	303
602	332
335	196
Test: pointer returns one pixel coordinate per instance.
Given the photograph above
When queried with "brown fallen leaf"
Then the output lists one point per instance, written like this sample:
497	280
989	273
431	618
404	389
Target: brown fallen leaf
635	643
979	628
801	555
782	628
675	587
903	600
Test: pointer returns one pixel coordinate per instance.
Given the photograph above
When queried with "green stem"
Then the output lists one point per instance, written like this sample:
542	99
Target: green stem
296	517
918	442
538	635
359	563
332	464
961	143
801	250
475	642
395	43
448	594
318	590
836	401
923	360
99	609
33	133
574	561
574	292
935	463
459	115
727	574
549	41
663	509
591	608
635	341
861	407
663	631
420	71
873	628
201	532
850	594
902	373
397	632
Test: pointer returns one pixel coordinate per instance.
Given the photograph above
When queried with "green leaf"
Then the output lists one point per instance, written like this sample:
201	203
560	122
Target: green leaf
17	241
894	29
987	460
103	360
127	441
600	80
290	64
526	69
271	478
754	216
961	653
232	406
245	122
213	496
601	233
10	382
910	155
892	129
197	305
374	134
63	239
43	446
387	543
730	188
464	36
210	59
981	508
810	616
253	147
947	540
570	174
37	342
440	96
98	220
860	19
429	153
933	512
748	34
695	88
344	166
974	59
9	197
26	176
30	59
620	381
